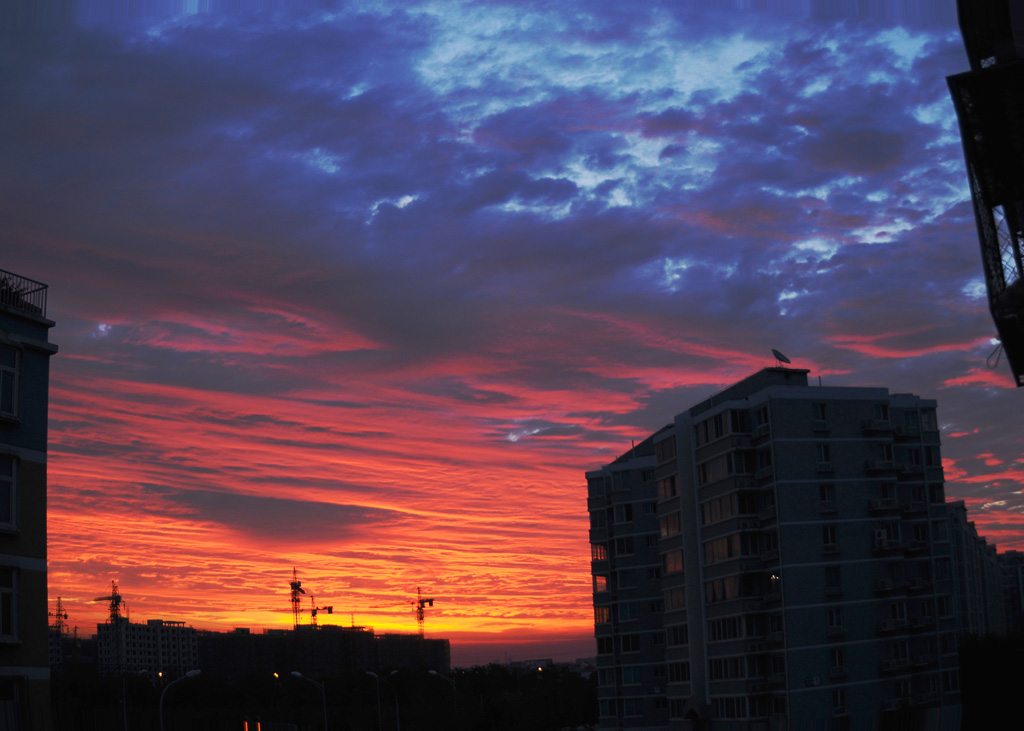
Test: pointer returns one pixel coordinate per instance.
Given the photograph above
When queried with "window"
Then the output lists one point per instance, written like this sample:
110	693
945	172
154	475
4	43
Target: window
835	618
824	458
832	579
624	546
829	538
929	420
598	551
675	599
623	513
632	676
604	645
629	643
8	591
819	412
670	525
600	583
837	658
673	562
945	606
679	672
936	493
678	634
950	681
9	357
882	412
8	492
602	615
827	493
839	699
627	611
667	488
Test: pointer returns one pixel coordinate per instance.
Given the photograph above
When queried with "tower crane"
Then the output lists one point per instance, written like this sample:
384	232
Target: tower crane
115	602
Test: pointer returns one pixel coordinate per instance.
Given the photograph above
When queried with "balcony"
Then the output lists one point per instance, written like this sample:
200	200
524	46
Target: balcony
907	431
876	425
895	665
823	467
837	671
763	473
828	506
912	507
892	625
879	465
761	430
22	293
884	586
881	505
819	425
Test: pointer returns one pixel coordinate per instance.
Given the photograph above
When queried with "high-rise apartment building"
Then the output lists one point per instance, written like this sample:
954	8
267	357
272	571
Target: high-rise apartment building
24	392
803	574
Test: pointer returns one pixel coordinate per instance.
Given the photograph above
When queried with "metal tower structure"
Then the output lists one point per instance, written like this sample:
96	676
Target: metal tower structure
420	603
989	102
314	610
115	602
296	599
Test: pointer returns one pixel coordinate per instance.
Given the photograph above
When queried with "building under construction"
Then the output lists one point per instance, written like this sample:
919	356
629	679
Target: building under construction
989	102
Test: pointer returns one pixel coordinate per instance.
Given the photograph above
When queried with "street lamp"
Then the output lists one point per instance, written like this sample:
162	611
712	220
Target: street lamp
455	691
297	674
189	674
380	723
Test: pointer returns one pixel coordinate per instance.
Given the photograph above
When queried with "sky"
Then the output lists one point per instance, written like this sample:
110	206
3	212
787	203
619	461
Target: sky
363	289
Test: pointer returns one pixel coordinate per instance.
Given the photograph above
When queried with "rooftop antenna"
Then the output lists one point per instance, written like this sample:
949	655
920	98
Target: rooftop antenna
296	600
780	358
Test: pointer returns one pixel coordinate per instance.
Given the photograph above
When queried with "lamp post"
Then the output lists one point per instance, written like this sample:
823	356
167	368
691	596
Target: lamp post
380	723
189	674
297	674
455	691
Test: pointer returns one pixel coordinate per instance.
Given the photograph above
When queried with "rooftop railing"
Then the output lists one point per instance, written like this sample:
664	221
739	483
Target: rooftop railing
22	293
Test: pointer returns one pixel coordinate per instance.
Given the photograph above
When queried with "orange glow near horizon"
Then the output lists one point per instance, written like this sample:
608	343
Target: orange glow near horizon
217	496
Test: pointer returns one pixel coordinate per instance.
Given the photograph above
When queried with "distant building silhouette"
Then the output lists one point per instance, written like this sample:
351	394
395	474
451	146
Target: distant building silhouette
324	651
782	556
158	646
24	396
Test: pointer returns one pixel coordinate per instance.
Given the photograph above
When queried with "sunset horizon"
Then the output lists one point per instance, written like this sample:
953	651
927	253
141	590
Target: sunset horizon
363	291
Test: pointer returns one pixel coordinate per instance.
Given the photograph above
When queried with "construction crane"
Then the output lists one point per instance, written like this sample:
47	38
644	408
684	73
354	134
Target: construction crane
296	599
115	602
989	103
419	604
313	609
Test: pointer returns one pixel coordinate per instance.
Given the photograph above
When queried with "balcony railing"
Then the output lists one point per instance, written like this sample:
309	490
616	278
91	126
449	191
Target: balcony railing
22	293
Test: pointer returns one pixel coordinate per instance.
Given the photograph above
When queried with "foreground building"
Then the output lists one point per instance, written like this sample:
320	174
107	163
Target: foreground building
800	573
24	397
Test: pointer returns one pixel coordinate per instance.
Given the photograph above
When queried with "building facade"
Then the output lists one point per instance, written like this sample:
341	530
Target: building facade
25	352
807	570
158	646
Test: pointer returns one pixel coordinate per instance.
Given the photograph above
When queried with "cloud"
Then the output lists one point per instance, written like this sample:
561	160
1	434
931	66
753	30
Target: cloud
396	276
